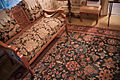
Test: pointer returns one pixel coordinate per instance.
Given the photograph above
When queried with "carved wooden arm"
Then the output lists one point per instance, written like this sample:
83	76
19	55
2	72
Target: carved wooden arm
16	55
11	47
49	12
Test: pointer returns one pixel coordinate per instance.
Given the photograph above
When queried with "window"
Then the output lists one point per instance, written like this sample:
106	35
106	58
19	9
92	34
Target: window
8	3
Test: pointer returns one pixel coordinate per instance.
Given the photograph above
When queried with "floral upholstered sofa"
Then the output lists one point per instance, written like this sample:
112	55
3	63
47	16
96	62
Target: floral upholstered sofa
29	30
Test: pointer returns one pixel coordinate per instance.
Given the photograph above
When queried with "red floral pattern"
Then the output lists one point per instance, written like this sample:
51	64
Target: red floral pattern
106	75
72	65
78	59
88	38
89	70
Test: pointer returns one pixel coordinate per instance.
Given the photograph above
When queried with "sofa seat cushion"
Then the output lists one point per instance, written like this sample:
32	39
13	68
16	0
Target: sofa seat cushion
32	40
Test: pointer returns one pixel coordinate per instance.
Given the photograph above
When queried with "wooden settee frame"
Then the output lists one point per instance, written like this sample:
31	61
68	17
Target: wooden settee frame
17	9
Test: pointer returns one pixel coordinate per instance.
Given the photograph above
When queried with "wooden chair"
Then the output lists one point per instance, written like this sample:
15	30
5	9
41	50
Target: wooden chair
49	28
91	10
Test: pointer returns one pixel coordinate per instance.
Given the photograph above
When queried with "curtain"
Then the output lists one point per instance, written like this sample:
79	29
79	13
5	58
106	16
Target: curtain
8	3
1	5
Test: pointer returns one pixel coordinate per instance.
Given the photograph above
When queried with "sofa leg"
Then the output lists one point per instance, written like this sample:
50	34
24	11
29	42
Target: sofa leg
26	64
30	70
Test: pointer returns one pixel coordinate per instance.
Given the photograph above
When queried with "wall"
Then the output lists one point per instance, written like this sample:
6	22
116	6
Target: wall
58	4
47	4
51	4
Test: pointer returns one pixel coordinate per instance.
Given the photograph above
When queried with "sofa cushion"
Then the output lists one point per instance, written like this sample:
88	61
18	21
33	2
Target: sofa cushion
8	26
32	40
34	13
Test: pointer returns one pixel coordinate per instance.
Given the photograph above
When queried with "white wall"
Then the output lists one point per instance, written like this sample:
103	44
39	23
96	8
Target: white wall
47	4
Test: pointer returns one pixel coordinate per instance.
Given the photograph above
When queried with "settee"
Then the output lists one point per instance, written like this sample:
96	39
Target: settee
29	31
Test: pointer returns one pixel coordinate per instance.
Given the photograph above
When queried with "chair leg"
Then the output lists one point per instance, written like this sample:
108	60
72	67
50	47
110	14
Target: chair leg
81	17
97	18
100	13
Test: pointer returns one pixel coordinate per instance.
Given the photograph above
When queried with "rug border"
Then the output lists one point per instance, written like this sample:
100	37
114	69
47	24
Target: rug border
93	27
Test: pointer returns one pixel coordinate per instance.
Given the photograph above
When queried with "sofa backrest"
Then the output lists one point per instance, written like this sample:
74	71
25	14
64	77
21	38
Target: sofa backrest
20	16
33	13
8	26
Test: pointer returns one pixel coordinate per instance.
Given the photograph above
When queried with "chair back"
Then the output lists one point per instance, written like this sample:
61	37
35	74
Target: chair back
20	16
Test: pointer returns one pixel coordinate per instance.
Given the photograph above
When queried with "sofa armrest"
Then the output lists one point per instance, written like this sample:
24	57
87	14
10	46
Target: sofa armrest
13	53
49	12
9	46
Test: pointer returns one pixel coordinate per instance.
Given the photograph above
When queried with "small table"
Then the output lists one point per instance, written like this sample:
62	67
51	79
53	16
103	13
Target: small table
91	10
110	8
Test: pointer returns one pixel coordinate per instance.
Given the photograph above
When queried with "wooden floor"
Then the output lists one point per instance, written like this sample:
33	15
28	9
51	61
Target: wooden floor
90	20
103	21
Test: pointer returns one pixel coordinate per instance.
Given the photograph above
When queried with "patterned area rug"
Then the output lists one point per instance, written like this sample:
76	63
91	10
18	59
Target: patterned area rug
88	54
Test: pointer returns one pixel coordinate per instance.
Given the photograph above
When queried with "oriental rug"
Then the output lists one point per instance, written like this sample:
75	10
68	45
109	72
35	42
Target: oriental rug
88	53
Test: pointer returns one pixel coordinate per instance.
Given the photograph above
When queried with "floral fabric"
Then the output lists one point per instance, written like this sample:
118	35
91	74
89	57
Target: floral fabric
31	40
33	13
9	27
89	53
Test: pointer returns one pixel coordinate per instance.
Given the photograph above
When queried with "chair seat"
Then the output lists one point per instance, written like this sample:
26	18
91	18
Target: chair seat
90	9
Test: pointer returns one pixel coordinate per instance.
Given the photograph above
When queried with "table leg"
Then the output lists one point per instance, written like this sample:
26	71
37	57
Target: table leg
69	17
69	11
110	10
